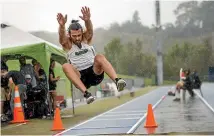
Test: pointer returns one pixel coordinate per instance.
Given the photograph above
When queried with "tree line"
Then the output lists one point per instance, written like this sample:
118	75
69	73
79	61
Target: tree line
130	60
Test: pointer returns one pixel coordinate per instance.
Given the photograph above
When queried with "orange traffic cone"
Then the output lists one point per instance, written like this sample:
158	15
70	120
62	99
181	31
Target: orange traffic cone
57	124
18	115
150	120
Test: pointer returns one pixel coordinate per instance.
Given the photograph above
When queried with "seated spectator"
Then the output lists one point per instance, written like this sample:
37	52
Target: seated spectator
195	80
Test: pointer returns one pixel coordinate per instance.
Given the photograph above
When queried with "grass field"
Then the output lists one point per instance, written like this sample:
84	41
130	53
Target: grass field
84	112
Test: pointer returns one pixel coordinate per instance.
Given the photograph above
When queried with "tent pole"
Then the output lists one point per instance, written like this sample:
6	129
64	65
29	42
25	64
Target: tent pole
72	90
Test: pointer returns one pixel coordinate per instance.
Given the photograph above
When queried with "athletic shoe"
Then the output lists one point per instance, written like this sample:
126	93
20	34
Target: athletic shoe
89	97
121	84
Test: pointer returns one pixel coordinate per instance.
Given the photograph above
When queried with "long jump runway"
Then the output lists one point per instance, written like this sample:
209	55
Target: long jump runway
120	119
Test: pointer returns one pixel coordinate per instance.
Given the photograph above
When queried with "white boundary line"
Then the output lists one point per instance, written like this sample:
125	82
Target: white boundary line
133	118
205	102
121	112
113	115
105	112
144	116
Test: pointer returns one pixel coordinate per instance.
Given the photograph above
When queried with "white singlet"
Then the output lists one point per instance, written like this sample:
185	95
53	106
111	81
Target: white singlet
81	58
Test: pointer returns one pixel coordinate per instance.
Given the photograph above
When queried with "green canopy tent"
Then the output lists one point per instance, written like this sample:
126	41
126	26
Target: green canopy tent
16	43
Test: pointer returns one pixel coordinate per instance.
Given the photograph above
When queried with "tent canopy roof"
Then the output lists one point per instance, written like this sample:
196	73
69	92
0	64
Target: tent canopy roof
13	37
15	42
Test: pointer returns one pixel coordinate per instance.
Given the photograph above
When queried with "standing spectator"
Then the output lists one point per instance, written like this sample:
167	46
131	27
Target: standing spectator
27	69
41	85
40	74
52	83
4	89
34	62
19	81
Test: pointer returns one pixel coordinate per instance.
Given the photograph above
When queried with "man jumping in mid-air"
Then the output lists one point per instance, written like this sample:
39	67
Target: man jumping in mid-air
85	68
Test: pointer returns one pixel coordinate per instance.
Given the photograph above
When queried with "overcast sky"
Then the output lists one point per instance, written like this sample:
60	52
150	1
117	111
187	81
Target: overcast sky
33	15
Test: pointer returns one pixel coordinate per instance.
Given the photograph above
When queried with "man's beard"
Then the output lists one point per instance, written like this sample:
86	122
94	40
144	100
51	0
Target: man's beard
79	44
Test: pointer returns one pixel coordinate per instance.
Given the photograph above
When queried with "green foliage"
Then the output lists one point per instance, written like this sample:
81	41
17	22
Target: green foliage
198	57
113	51
129	59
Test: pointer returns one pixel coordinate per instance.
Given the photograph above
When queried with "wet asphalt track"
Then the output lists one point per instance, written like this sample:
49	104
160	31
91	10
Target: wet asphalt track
189	116
118	120
208	92
194	116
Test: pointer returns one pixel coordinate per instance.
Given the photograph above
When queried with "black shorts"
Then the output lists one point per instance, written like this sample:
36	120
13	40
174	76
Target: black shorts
89	78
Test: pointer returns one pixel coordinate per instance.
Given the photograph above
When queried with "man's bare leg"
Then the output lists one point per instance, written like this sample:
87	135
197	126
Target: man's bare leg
74	76
102	64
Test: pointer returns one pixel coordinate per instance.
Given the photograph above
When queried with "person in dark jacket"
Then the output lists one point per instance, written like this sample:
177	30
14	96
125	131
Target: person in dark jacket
195	80
19	80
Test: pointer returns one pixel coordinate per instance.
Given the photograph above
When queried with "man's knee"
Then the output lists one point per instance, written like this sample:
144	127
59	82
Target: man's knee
66	66
99	58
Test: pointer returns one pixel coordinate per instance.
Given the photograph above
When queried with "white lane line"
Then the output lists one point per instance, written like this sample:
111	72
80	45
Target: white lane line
205	102
116	119
106	112
120	112
134	127
122	115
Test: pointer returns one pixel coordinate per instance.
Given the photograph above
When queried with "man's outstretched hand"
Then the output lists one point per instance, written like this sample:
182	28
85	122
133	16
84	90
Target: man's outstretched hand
61	19
85	13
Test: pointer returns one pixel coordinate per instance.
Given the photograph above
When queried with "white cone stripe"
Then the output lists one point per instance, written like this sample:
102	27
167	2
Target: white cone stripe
17	105
16	94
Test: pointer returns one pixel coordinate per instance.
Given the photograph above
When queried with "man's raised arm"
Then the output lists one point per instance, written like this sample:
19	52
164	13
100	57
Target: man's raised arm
89	27
89	30
63	39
